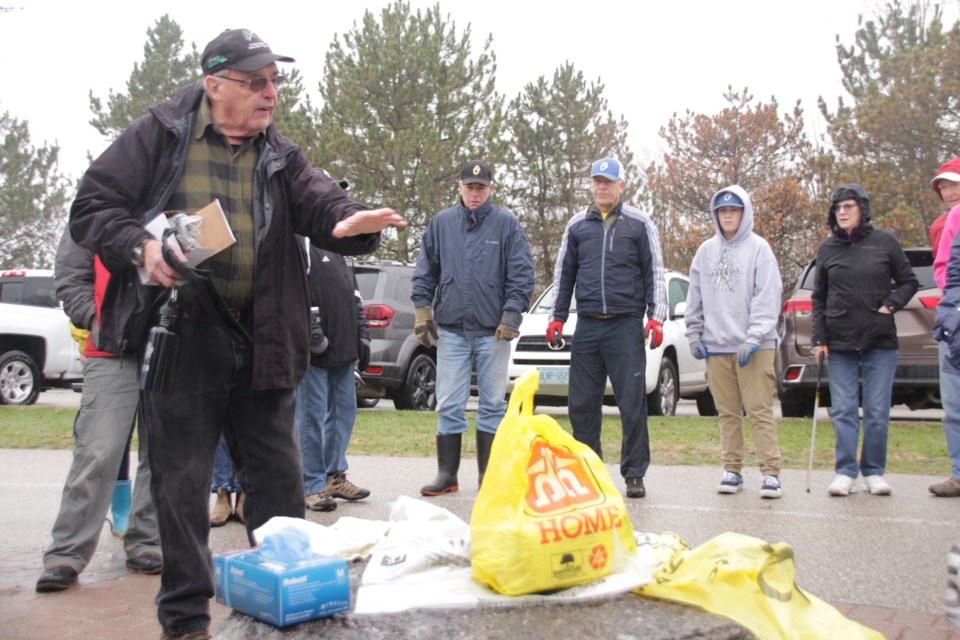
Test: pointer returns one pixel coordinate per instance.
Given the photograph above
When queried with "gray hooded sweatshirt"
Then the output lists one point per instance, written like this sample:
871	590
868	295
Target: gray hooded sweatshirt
738	282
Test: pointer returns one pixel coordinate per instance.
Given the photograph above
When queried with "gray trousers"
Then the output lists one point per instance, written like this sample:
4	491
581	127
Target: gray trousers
100	430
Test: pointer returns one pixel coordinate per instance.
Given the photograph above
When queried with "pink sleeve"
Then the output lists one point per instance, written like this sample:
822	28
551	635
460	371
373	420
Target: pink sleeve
943	252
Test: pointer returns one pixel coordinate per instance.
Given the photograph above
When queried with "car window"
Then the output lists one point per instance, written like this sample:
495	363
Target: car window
404	289
367	282
677	290
35	292
543	304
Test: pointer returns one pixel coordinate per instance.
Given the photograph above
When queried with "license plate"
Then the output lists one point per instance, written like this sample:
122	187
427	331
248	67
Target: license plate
554	376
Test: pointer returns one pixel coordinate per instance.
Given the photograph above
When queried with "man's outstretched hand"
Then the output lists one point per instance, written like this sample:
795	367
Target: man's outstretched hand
368	222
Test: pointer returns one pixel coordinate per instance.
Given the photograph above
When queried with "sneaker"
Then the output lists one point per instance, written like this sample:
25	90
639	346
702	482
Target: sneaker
730	482
339	487
635	488
842	485
320	501
770	487
877	485
949	488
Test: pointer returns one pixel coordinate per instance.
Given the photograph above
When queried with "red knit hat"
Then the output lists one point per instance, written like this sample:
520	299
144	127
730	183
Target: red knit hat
949	170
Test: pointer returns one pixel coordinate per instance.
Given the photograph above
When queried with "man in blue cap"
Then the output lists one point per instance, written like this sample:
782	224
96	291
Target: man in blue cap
611	253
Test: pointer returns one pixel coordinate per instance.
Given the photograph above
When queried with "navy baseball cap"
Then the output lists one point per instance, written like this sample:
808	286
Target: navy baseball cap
727	199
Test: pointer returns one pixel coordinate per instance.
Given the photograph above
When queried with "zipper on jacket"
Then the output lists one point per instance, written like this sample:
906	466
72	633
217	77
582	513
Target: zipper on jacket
603	264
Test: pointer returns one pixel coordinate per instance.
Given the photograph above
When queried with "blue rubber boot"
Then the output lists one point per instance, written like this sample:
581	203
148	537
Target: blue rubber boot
120	508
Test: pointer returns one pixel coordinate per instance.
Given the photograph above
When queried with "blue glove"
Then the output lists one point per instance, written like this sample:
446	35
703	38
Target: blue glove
699	350
744	352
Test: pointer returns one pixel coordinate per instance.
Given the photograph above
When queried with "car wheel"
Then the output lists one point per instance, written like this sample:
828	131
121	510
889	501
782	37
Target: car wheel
796	407
705	404
419	390
663	400
19	378
367	403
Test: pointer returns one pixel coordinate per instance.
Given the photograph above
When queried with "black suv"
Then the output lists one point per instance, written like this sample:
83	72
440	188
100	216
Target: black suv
400	367
917	379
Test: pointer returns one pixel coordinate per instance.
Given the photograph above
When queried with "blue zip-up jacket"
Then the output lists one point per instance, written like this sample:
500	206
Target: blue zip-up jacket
616	270
473	266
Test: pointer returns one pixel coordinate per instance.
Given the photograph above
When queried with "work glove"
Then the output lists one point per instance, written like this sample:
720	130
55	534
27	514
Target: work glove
363	357
744	352
654	333
554	332
509	327
318	341
698	349
425	328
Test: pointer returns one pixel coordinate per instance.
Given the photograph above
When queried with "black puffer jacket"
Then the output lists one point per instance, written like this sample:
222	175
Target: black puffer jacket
853	280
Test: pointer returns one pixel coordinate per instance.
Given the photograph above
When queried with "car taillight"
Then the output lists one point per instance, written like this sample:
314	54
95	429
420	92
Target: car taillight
374	371
13	273
930	302
792	373
798	308
379	316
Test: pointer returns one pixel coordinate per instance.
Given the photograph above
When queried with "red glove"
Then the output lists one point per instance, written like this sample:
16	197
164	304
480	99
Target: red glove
654	333
555	327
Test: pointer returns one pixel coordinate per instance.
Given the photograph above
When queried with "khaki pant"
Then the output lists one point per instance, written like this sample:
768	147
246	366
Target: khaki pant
749	388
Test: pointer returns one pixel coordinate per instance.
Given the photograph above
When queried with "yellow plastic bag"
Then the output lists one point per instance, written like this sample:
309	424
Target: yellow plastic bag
749	581
548	515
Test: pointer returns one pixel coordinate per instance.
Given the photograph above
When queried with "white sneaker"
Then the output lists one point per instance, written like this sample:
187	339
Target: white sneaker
842	485
877	485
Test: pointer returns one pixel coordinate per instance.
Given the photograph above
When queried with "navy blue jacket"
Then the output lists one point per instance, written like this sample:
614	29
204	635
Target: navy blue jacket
616	270
473	266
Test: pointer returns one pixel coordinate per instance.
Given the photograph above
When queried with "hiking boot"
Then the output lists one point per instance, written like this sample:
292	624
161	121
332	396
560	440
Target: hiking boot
842	486
56	579
149	564
730	482
877	485
320	501
949	488
238	510
339	487
635	488
770	487
222	509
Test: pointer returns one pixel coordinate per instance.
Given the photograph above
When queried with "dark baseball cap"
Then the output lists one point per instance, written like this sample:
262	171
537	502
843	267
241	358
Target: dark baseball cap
476	171
239	49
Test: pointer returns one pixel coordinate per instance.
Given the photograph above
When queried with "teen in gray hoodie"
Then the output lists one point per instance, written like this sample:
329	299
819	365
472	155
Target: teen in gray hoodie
732	309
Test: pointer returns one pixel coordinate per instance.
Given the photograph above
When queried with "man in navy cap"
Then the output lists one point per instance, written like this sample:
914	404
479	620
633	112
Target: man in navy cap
611	252
473	279
243	336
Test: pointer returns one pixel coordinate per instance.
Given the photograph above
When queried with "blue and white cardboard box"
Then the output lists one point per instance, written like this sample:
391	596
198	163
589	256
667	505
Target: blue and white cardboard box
281	592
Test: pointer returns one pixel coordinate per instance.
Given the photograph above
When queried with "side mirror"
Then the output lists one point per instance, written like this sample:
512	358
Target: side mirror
680	310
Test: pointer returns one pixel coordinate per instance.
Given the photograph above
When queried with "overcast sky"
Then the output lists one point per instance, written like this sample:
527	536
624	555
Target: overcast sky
654	58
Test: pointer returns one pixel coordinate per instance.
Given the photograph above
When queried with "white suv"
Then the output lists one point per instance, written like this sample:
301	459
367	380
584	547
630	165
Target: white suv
672	373
36	348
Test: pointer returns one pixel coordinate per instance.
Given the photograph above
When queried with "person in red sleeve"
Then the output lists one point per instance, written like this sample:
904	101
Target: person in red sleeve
611	253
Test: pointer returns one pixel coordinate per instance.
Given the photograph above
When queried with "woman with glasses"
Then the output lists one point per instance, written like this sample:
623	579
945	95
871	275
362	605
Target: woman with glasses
862	279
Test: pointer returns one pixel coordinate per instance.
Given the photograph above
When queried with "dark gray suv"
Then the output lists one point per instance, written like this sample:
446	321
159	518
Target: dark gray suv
400	367
917	379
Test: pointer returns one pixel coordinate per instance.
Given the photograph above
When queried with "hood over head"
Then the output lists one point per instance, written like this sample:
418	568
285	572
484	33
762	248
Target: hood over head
849	191
738	197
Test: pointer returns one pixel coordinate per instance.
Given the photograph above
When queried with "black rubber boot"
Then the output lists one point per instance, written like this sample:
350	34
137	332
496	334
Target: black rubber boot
448	463
484	442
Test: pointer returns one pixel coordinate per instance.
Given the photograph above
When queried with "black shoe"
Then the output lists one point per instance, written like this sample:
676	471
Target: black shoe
149	564
56	579
635	488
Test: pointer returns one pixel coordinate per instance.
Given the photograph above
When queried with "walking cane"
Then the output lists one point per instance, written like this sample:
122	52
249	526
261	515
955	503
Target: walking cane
816	405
